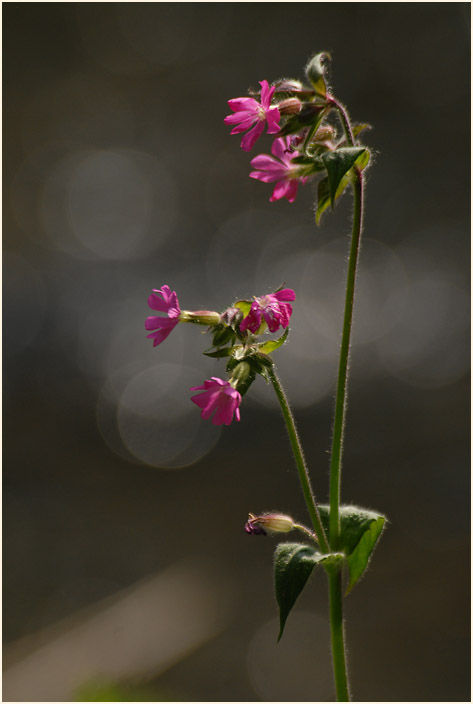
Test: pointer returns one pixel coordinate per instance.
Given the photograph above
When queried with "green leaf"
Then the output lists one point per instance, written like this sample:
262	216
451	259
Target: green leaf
315	72
360	530
293	565
311	115
323	199
244	306
360	127
302	159
271	345
338	163
222	336
323	195
360	557
222	352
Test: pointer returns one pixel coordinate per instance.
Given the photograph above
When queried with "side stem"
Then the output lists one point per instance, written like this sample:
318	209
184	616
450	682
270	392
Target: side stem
300	460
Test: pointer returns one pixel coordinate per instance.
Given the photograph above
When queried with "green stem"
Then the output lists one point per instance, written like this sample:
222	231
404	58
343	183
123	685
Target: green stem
341	394
300	460
338	636
344	119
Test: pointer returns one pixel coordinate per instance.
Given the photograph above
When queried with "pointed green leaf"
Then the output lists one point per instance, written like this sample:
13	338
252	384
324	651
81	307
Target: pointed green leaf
360	557
338	163
323	199
222	352
360	530
271	345
360	127
363	160
293	565
315	72
222	336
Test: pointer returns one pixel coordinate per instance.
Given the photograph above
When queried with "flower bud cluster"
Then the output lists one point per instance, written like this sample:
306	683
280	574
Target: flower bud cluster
235	336
297	114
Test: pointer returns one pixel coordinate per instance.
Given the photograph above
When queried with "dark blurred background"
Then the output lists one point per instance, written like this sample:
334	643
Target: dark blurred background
127	573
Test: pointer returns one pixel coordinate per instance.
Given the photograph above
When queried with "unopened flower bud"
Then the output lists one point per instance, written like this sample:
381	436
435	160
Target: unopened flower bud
290	106
232	316
325	133
269	522
200	317
240	374
288	85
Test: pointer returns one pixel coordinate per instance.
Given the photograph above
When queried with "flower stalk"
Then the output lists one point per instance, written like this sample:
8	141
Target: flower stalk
300	460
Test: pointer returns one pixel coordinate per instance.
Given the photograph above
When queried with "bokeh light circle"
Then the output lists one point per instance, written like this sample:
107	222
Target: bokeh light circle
108	204
157	421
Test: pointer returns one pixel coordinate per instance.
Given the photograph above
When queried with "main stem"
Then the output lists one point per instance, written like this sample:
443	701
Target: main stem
335	579
338	636
300	460
341	395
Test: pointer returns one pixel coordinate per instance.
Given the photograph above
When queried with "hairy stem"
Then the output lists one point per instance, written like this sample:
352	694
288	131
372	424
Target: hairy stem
338	636
341	394
342	113
300	460
335	578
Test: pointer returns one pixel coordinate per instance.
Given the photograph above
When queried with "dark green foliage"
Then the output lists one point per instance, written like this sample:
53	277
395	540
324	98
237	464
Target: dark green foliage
293	565
359	533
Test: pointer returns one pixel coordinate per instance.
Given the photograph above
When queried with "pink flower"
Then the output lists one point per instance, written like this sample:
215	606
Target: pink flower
249	113
165	302
273	308
218	396
279	169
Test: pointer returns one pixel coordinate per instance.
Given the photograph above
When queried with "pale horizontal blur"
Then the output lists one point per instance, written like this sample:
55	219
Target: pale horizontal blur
120	176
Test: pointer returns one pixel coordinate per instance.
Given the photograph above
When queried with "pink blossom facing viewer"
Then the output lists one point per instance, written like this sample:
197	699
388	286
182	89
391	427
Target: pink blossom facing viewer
249	113
273	307
279	169
165	301
220	397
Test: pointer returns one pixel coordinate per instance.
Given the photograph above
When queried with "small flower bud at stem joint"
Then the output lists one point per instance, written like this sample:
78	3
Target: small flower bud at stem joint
290	106
269	522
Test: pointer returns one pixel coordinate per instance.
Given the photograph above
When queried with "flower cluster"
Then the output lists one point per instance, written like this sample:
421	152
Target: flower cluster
236	334
298	116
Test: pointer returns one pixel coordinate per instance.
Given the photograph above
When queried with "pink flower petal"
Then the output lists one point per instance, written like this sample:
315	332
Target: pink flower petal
264	162
247	122
266	94
159	336
264	176
243	104
236	118
219	397
285	189
153	322
273	117
279	147
285	294
248	141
